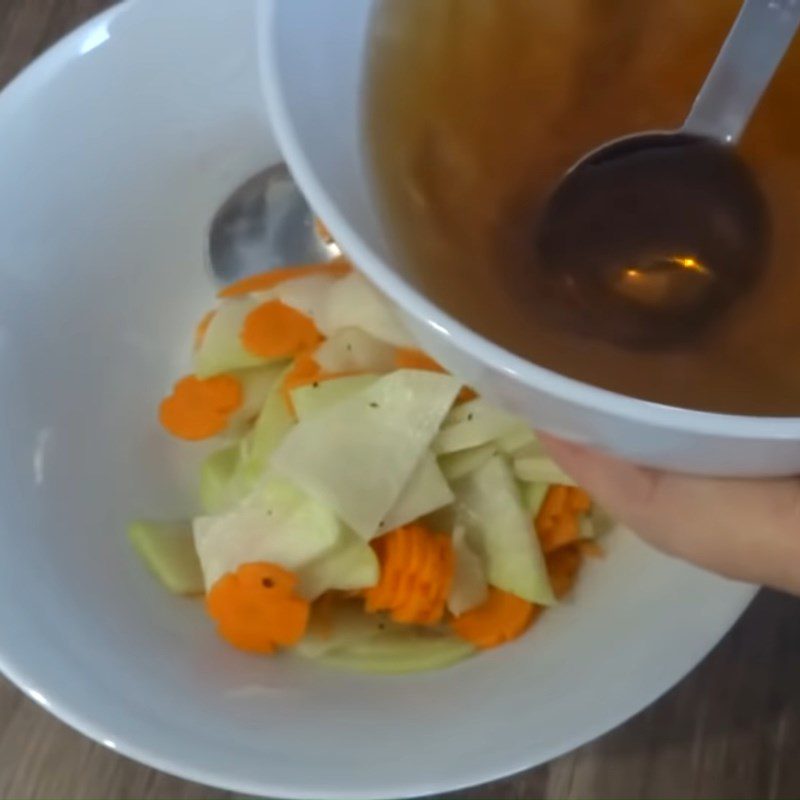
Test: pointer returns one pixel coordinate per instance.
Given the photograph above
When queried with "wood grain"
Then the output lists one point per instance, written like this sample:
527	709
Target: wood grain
730	730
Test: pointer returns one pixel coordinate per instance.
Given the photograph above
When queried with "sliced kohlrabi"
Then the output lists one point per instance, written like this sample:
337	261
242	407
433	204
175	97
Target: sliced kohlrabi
520	440
354	302
341	626
533	495
313	398
309	294
349	565
168	550
357	456
427	491
216	474
355	350
472	424
396	652
470	587
541	469
460	463
278	523
256	384
221	349
501	530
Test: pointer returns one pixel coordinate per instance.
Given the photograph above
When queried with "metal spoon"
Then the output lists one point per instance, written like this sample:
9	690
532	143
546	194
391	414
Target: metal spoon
265	223
649	238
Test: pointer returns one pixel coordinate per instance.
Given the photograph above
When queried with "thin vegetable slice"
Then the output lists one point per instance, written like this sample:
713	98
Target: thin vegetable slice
168	550
501	530
357	456
199	409
275	330
503	617
256	608
268	280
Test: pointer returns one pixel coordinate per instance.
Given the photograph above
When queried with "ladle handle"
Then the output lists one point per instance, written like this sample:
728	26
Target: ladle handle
755	46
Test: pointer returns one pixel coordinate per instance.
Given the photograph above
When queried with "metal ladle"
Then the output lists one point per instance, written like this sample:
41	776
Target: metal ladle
649	238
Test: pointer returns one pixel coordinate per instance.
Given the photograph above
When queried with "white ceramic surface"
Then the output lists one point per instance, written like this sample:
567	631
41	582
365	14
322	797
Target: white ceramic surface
115	148
312	61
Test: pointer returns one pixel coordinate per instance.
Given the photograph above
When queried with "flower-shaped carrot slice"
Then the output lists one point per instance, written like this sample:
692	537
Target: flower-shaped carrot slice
256	608
199	409
501	618
417	569
275	330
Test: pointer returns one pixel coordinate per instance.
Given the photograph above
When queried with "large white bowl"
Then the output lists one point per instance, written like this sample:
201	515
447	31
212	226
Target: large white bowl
115	149
313	62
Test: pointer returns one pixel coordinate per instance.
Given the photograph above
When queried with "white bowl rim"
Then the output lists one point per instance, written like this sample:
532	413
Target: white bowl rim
417	305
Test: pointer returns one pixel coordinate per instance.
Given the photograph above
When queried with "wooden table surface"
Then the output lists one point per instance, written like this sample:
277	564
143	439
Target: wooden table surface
729	730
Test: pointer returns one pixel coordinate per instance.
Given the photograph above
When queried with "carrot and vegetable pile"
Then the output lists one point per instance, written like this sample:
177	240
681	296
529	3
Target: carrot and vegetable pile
364	508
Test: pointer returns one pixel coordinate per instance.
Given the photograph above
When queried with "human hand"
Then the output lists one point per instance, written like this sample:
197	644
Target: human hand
744	529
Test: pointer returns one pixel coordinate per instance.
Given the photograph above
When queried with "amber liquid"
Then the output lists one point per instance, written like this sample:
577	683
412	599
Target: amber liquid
475	108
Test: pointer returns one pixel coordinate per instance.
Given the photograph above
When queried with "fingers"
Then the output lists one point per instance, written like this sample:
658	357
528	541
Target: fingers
745	529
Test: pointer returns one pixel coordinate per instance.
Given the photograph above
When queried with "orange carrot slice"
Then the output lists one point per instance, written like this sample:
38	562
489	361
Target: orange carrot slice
591	549
275	330
563	566
256	608
501	618
267	280
198	409
417	569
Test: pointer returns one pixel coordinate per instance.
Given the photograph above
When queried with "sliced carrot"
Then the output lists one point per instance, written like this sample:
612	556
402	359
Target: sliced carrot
553	506
417	567
565	530
412	358
202	329
579	500
267	280
256	608
563	566
275	330
501	618
304	372
591	549
198	409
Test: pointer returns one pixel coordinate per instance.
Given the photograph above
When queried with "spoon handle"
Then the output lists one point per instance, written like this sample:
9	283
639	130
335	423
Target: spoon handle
755	46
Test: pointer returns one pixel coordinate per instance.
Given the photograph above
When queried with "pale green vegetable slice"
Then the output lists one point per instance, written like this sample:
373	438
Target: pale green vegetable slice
256	386
541	469
309	294
460	463
472	424
351	564
221	349
341	627
426	492
533	495
520	440
278	523
357	456
272	424
470	587
216	474
354	350
354	302
396	652
501	530
168	550
311	399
